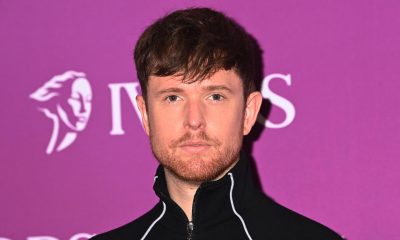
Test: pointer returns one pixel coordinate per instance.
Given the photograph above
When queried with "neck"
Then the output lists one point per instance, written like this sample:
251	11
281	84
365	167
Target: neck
181	192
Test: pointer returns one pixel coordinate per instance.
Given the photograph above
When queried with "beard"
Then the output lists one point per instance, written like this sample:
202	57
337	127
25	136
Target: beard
197	167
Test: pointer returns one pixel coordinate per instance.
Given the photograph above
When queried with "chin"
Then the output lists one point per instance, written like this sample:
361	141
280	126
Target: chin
198	169
80	126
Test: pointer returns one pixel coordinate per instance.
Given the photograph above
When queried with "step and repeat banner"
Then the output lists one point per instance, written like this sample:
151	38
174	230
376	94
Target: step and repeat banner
75	160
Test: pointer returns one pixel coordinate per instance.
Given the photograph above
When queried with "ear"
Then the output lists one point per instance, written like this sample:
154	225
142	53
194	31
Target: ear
143	112
253	104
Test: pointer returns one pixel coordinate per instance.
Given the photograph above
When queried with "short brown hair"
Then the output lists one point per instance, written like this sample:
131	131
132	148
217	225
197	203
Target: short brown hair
195	43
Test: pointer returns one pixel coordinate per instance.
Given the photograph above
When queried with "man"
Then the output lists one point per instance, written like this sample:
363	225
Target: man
197	72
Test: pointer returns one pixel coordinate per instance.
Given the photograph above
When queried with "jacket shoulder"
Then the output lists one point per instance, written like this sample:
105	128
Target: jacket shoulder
134	229
284	223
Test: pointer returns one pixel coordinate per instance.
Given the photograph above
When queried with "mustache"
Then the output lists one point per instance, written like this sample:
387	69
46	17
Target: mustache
201	136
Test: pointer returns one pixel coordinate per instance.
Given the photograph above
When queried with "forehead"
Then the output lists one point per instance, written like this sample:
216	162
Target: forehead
81	85
227	78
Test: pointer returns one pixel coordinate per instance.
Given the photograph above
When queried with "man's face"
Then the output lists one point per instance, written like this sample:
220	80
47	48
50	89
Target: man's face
196	129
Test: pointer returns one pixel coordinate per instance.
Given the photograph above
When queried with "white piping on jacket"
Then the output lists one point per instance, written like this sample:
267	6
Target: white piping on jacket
155	221
234	210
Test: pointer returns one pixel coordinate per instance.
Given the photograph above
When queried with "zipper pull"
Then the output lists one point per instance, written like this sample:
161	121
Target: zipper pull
189	229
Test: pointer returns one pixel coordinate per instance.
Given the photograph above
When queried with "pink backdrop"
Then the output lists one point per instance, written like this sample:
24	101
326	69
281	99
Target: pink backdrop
336	161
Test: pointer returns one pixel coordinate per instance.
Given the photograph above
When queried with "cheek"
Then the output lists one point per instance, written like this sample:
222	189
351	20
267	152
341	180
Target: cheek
75	105
165	123
226	122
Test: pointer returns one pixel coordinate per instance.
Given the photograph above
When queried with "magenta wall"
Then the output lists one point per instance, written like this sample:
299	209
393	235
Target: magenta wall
335	162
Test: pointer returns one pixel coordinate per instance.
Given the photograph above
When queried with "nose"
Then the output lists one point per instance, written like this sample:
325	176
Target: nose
82	108
194	119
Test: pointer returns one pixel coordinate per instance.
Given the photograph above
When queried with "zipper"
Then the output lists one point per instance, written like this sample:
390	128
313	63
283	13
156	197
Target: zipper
190	224
189	230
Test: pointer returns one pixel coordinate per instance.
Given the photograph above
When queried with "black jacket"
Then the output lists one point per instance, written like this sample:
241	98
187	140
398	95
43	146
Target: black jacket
230	208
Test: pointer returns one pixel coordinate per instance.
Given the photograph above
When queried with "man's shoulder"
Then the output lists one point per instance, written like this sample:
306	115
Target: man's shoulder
286	223
133	229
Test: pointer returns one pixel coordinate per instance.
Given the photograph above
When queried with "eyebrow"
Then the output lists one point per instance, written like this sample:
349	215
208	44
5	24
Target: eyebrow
206	88
218	87
169	90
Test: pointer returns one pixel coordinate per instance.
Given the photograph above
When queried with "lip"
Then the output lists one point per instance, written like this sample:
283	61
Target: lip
195	147
82	119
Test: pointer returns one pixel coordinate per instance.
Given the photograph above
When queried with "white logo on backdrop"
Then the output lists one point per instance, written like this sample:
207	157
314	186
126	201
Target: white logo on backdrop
277	100
66	99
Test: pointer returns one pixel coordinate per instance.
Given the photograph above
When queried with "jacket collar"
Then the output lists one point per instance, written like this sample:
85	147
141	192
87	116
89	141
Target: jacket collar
214	201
